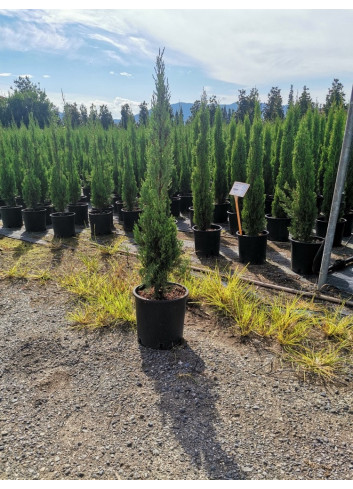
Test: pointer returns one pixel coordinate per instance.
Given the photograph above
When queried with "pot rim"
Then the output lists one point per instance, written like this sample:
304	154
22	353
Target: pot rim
263	233
318	239
160	301
216	227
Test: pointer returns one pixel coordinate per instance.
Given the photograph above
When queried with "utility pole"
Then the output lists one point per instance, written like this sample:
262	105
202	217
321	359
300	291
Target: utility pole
337	195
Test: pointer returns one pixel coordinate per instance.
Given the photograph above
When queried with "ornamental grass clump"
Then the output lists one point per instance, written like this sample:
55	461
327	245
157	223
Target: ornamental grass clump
156	234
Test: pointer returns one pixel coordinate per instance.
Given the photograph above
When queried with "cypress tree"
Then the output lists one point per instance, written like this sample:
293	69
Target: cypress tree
285	179
253	208
58	186
238	160
303	208
7	172
333	157
129	187
156	235
219	155
201	175
266	162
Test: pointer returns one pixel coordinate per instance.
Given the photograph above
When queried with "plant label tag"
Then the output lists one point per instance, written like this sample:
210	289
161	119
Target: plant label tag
239	189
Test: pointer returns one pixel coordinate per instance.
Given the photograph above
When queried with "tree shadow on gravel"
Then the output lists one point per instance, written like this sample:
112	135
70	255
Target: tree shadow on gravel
188	406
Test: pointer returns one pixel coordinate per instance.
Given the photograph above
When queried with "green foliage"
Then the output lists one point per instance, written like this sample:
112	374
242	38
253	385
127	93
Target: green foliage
31	189
274	108
7	172
285	177
102	179
333	157
74	185
266	162
58	187
220	169
200	180
238	160
26	100
156	235
303	209
129	187
253	213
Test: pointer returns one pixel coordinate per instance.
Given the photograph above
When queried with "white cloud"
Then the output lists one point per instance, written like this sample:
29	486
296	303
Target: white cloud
124	73
25	75
114	105
5	74
46	76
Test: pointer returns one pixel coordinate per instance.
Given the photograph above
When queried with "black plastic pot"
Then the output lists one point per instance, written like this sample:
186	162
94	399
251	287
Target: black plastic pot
175	206
185	203
63	224
34	219
130	218
160	323
208	242
19	201
347	231
83	198
87	192
306	256
220	212
277	228
81	213
11	216
233	222
252	249
319	200
100	222
117	207
191	216
268	203
321	230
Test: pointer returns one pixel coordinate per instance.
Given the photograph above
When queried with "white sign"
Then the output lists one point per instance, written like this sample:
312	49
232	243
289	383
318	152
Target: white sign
239	189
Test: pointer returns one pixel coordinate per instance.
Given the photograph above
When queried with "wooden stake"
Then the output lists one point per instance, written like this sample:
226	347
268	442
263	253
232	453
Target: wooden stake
238	214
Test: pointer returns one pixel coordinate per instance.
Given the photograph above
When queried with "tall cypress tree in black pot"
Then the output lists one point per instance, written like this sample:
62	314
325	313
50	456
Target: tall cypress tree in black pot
160	304
34	217
63	221
253	243
330	174
206	234
305	248
220	171
10	212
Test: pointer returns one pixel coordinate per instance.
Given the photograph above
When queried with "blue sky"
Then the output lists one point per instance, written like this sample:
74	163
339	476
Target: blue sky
107	56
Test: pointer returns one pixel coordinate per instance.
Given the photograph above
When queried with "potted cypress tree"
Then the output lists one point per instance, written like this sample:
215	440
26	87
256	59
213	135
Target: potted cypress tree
34	217
63	221
101	215
253	243
10	212
206	235
330	174
305	248
131	212
237	172
160	305
220	171
348	211
74	184
278	221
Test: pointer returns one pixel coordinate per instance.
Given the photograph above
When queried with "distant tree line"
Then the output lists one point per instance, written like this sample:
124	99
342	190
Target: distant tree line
28	99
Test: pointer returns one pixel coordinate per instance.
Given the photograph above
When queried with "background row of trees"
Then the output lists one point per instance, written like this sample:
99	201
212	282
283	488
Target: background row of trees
27	98
115	156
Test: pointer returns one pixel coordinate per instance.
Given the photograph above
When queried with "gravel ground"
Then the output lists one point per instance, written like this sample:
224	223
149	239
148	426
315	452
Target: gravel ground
96	405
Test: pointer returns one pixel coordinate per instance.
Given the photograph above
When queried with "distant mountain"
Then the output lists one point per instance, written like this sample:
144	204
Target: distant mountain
186	106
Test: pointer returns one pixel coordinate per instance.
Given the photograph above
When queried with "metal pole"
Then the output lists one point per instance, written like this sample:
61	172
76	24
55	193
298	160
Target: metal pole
337	195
